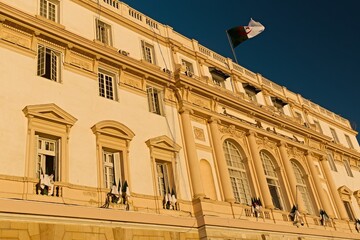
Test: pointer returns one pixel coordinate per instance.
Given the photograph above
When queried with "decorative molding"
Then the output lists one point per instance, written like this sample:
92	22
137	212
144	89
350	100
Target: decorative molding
295	152
266	143
232	131
199	133
163	142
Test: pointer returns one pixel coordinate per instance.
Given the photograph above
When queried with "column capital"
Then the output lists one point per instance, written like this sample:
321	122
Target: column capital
214	120
251	133
282	144
186	110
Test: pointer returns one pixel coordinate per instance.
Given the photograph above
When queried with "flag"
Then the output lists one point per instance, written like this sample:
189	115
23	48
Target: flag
240	34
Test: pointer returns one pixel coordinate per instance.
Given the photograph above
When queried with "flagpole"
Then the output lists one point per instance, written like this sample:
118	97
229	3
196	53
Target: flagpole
231	46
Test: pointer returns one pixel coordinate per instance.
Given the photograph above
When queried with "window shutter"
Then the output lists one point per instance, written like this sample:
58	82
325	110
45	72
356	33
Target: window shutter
117	168
53	66
151	100
143	49
166	178
161	105
37	158
41	61
57	158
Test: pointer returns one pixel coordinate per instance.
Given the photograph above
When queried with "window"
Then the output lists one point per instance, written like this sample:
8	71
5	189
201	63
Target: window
237	172
302	188
334	135
49	9
164	177
163	152
154	100
103	32
348	168
106	85
112	138
251	92
47	157
278	104
148	52
272	180
189	69
113	168
317	126
348	140
218	76
349	210
48	63
331	162
48	145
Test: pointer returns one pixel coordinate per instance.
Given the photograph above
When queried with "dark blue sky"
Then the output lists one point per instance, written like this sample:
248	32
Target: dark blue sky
310	47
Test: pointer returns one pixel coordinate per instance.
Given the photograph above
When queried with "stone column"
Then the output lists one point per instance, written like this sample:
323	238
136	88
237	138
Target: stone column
325	204
221	161
194	165
291	177
338	202
265	192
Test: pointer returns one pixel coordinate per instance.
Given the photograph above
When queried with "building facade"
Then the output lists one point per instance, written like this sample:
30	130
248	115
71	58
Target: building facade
115	126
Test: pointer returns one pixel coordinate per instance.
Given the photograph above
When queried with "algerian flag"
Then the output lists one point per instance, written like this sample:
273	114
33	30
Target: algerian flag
240	34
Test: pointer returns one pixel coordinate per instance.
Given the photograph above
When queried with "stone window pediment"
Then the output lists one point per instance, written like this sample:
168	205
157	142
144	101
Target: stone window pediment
163	142
49	112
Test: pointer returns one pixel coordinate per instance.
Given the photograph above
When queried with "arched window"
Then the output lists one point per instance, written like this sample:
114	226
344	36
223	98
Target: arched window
301	186
237	172
272	180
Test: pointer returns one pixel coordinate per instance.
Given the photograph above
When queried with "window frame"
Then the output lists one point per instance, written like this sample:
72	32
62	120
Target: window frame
165	181
148	52
349	142
302	185
43	154
45	6
317	125
155	100
112	137
348	168
45	63
42	123
334	135
104	87
103	32
237	172
273	180
164	150
331	161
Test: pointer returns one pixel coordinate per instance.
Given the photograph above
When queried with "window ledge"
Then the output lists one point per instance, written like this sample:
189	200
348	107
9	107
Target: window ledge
49	21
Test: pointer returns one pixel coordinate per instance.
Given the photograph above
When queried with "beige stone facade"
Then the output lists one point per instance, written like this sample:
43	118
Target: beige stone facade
114	126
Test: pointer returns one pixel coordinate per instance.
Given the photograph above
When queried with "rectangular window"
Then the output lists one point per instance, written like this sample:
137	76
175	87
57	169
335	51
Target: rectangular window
148	52
164	177
348	140
349	210
103	32
318	126
47	157
106	85
278	104
331	162
113	168
48	63
154	100
334	135
189	69
49	9
348	168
